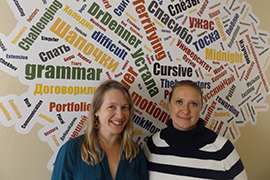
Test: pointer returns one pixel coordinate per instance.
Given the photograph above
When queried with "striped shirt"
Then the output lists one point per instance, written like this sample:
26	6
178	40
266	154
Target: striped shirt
196	154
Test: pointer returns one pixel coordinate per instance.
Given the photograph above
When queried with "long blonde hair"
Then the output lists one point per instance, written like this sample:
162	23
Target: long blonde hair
91	152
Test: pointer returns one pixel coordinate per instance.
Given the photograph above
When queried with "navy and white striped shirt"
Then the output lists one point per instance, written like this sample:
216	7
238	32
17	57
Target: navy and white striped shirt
196	154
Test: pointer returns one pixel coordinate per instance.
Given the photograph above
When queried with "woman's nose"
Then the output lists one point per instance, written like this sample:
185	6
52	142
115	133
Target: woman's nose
120	113
185	108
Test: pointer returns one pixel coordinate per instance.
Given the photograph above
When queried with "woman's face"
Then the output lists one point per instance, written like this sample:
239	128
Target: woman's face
185	107
113	113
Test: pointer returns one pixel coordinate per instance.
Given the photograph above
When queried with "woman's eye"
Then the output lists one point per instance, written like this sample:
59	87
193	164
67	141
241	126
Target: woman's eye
178	101
110	107
193	104
125	107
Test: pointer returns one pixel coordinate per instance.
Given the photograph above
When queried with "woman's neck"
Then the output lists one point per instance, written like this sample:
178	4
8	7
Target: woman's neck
108	142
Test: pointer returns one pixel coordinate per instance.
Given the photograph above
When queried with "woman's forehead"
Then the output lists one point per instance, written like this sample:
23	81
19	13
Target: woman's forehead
186	91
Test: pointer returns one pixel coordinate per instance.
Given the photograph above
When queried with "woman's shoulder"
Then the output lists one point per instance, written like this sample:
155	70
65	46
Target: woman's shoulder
74	142
219	143
140	153
156	140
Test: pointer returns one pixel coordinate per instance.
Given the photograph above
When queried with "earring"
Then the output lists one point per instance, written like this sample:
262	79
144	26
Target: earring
96	125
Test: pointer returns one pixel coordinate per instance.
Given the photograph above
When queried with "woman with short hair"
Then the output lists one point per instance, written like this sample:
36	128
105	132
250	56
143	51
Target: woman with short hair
186	149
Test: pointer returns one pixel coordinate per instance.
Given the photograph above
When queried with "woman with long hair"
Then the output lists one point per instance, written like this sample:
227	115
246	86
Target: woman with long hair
106	150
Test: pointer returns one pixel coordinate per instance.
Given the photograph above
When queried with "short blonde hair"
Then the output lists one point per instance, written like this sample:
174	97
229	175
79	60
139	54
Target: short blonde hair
90	151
